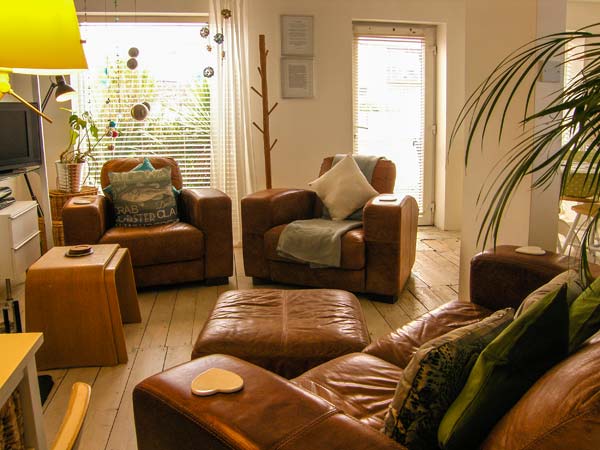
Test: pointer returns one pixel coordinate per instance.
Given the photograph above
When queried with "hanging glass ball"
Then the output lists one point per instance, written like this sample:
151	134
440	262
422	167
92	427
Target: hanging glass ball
110	146
134	52
114	134
208	72
204	32
219	38
112	124
226	13
139	111
132	63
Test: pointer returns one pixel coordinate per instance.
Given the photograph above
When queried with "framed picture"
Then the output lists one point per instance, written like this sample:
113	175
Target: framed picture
297	35
297	78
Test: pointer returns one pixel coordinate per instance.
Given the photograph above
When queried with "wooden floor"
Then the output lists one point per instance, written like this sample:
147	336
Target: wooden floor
172	318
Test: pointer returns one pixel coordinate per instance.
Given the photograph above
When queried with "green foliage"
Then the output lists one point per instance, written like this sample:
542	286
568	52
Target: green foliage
573	111
84	138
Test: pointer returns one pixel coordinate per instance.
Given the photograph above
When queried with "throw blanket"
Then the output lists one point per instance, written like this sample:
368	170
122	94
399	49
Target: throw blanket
319	241
316	241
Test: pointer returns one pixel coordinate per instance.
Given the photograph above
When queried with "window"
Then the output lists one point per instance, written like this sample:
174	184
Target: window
169	77
393	104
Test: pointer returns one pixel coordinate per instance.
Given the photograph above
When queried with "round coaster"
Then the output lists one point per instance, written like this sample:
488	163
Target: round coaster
215	380
531	250
79	250
82	201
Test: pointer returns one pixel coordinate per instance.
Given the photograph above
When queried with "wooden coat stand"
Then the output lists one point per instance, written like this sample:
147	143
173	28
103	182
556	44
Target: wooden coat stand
264	94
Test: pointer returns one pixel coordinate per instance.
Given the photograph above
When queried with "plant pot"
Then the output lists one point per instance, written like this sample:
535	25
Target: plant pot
69	176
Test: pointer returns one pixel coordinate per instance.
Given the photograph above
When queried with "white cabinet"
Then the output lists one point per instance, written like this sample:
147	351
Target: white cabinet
19	240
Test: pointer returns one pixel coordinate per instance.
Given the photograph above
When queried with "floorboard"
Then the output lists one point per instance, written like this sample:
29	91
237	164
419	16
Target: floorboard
173	318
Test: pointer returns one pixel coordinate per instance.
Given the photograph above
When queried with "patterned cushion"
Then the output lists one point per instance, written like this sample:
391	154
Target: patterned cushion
143	198
433	379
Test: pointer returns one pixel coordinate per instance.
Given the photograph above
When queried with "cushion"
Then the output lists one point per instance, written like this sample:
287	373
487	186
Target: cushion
568	277
145	165
584	315
506	369
143	198
433	379
343	189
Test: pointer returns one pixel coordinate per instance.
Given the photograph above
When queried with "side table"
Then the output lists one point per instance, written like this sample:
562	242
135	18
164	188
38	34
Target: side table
80	303
18	371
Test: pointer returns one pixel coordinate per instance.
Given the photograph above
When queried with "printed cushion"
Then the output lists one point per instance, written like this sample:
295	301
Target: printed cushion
433	379
570	278
343	188
506	369
143	198
584	316
145	165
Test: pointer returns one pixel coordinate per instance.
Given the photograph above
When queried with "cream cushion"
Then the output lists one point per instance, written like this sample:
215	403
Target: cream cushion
343	188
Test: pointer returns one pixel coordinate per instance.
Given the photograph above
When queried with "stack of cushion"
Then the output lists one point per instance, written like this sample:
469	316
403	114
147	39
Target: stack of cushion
458	386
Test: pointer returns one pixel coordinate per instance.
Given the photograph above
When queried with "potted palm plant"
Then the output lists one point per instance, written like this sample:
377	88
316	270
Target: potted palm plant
562	138
84	137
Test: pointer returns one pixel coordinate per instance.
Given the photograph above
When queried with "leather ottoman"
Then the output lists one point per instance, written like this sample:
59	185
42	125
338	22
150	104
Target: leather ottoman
284	331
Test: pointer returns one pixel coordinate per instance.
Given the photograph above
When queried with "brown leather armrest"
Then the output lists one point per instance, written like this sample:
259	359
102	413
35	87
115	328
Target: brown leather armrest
269	412
85	224
503	278
210	211
271	207
385	221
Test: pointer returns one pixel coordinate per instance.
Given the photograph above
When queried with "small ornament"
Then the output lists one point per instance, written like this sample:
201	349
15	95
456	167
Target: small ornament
110	146
112	124
209	48
204	32
109	132
208	72
223	54
134	52
219	38
114	134
132	63
107	101
139	111
226	13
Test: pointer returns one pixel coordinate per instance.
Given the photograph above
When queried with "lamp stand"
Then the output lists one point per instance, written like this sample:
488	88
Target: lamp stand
5	88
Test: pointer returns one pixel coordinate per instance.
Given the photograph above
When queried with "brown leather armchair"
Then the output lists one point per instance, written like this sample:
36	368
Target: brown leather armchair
198	247
376	259
341	404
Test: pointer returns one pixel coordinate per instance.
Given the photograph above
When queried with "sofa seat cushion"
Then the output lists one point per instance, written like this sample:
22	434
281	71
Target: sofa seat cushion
361	385
158	244
353	248
399	346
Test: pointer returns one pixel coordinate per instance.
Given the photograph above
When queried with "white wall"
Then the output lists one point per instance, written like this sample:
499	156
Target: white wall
310	129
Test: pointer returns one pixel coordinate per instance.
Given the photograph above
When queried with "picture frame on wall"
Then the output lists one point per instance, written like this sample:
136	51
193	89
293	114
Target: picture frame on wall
297	78
297	35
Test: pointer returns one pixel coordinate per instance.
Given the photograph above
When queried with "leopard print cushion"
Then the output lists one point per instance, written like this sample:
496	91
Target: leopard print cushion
433	379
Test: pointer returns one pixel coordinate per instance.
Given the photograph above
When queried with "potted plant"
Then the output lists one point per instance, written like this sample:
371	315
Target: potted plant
566	133
84	137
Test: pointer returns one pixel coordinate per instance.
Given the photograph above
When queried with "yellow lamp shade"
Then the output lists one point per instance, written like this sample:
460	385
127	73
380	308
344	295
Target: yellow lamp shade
40	37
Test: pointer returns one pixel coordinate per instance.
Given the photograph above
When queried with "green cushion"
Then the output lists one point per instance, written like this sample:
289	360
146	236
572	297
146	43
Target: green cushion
506	369
433	379
145	165
574	288
584	315
143	198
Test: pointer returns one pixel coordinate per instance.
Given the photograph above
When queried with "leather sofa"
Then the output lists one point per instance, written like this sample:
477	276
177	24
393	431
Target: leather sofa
376	259
197	247
341	404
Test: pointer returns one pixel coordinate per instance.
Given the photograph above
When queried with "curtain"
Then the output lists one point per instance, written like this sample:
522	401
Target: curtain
232	159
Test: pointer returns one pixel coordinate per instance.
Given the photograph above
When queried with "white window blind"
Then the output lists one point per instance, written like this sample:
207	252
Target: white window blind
169	77
389	105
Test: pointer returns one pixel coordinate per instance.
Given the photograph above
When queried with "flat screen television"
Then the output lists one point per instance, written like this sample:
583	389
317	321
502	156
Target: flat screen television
20	138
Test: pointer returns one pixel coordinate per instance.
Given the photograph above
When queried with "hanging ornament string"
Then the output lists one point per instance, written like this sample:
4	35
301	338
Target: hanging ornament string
218	38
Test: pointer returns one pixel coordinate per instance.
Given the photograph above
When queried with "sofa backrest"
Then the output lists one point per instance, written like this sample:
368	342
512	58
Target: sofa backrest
126	164
560	411
383	179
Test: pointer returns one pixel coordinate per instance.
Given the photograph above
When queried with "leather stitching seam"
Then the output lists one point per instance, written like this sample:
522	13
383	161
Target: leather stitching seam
298	432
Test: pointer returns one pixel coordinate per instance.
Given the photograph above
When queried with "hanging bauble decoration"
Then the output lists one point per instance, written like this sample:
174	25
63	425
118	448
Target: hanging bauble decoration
209	48
208	72
204	32
218	38
226	13
112	124
133	52
110	147
139	111
223	54
132	63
